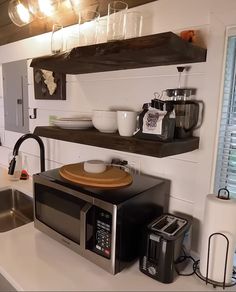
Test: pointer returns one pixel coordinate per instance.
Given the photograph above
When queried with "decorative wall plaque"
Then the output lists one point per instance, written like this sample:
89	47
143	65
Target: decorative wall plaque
49	85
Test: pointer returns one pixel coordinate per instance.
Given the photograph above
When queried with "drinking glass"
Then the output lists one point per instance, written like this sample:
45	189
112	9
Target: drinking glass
57	38
134	22
102	31
116	20
88	26
72	41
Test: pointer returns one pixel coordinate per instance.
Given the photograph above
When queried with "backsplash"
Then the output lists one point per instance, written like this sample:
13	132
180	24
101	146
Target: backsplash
112	90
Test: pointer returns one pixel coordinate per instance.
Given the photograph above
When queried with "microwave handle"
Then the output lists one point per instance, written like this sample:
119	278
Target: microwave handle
83	220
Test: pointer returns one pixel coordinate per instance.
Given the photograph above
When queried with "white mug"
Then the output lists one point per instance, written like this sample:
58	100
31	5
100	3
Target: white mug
127	122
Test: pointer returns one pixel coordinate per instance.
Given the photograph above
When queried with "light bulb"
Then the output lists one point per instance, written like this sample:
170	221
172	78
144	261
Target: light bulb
46	7
43	8
23	13
19	12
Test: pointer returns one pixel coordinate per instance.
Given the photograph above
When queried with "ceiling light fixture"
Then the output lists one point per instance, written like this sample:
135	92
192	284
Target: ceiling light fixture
19	13
43	8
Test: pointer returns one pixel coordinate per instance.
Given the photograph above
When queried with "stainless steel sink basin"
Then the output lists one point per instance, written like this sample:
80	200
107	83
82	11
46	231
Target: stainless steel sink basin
16	209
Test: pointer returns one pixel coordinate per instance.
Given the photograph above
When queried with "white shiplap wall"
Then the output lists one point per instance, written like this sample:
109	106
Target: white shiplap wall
190	173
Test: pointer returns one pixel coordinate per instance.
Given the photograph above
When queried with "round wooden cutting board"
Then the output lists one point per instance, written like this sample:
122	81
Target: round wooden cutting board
112	177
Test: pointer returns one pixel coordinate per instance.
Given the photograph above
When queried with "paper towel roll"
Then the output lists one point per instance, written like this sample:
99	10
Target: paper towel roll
219	216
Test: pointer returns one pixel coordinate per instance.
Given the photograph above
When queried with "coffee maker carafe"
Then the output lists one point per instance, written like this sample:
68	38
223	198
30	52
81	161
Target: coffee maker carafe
188	110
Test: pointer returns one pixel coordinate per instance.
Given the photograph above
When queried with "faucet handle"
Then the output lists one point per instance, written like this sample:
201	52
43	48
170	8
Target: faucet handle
12	166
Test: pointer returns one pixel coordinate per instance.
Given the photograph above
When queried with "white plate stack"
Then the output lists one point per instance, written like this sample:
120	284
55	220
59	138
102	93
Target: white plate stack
79	123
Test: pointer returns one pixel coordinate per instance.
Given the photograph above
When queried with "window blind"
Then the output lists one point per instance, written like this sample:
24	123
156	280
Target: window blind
226	156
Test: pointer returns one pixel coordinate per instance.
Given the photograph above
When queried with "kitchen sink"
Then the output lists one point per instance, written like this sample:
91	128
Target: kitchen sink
16	209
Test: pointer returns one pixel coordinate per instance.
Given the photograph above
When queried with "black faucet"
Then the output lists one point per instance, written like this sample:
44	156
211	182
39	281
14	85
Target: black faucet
16	150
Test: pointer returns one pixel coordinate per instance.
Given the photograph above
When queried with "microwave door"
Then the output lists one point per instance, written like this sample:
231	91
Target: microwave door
60	211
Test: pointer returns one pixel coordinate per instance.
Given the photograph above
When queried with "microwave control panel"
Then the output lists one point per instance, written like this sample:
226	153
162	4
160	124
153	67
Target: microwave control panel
103	231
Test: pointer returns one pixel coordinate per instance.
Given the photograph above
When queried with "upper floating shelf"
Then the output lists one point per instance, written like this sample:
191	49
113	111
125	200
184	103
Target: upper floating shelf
147	51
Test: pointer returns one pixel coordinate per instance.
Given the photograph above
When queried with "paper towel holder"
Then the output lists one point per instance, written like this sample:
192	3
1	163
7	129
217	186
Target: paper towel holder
221	284
206	279
215	284
224	195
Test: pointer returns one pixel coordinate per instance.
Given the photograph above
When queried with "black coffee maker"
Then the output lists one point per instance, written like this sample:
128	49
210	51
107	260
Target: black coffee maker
188	112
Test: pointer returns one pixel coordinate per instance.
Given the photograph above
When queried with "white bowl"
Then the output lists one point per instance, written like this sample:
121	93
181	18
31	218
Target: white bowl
105	121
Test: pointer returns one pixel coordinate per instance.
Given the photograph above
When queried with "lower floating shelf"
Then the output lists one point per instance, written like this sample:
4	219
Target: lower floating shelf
93	137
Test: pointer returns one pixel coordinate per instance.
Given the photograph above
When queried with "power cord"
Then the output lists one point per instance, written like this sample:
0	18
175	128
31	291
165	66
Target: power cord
181	260
195	269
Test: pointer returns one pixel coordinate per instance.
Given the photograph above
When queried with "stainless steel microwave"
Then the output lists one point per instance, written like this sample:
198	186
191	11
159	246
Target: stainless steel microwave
104	226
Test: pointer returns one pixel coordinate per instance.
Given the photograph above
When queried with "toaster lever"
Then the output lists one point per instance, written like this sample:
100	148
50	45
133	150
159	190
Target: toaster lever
155	237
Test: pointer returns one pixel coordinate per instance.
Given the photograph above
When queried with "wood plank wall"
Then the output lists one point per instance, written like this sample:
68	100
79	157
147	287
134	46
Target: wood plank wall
9	32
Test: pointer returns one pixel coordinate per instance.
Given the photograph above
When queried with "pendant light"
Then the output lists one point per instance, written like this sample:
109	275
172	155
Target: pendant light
43	8
19	13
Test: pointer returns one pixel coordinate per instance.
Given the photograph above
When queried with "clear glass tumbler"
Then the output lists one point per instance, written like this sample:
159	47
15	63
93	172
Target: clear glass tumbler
88	26
57	38
134	22
102	31
72	41
116	21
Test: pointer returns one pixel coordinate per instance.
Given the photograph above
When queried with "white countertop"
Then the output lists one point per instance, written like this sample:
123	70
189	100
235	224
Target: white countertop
32	261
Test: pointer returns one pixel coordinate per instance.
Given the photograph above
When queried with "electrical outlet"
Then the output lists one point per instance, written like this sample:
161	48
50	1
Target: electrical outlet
134	162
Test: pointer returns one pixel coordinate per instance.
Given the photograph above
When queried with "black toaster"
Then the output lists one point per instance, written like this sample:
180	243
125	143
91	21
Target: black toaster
162	246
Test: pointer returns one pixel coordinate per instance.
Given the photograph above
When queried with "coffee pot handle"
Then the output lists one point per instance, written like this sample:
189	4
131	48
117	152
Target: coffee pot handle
201	114
200	104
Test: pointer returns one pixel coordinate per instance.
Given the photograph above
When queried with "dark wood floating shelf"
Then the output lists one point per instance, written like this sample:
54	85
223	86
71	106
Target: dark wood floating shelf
147	51
93	137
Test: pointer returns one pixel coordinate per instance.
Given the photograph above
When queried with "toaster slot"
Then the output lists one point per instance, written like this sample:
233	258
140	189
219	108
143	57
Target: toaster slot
154	247
169	225
162	223
174	227
171	229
